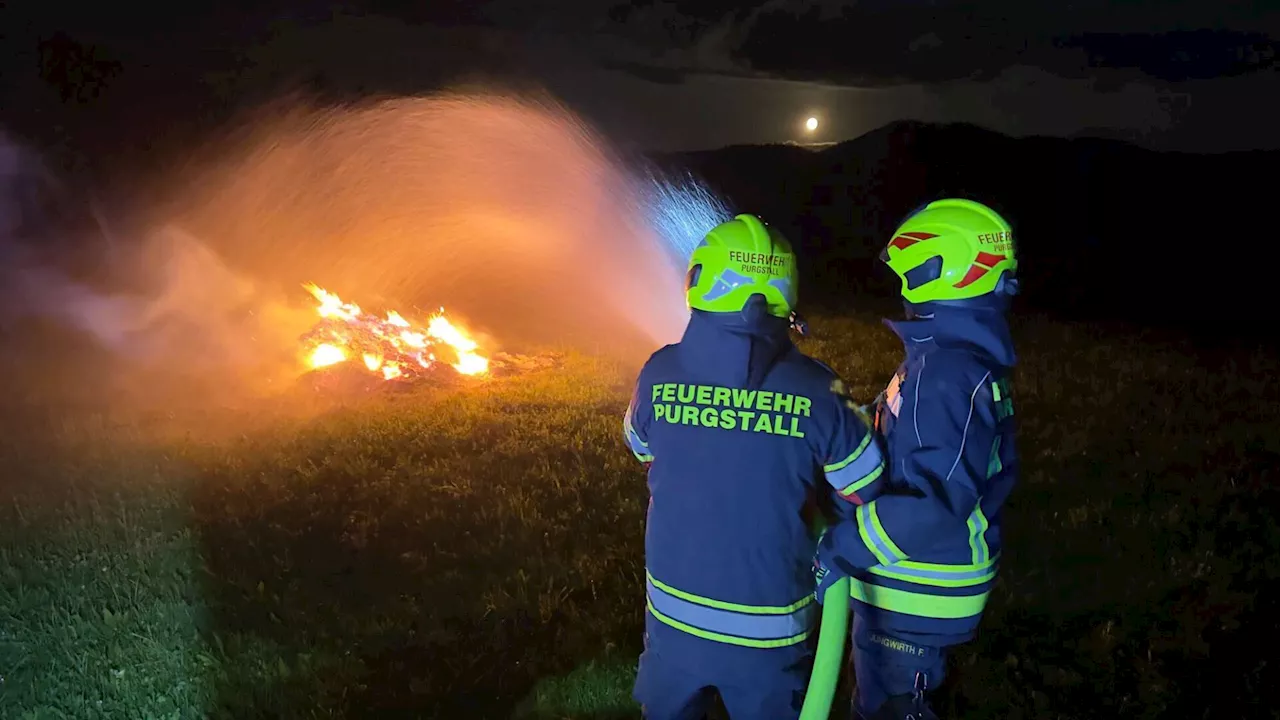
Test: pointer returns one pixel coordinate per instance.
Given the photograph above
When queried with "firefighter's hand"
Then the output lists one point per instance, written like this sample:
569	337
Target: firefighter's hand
823	575
798	324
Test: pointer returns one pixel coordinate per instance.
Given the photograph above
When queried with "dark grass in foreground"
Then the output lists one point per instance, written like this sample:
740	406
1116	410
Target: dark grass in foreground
478	552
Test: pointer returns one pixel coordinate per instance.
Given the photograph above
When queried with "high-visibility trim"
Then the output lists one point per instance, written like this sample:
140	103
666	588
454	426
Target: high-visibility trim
735	607
921	605
875	538
757	626
857	452
1003	400
994	465
727	639
938	574
862	467
978	535
639	447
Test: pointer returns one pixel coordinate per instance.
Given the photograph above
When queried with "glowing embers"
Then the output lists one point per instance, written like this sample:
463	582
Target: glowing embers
389	346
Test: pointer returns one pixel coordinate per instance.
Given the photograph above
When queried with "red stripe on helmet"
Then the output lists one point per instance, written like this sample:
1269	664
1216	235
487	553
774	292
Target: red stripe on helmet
990	260
906	240
975	271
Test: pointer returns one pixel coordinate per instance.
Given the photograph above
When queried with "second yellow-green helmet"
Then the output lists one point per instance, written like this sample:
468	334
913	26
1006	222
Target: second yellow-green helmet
951	249
738	259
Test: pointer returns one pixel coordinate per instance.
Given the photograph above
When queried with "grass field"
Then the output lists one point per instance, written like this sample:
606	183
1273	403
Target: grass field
477	551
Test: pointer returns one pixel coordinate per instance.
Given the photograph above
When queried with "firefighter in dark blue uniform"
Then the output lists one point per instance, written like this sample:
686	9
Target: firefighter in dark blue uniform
741	433
923	556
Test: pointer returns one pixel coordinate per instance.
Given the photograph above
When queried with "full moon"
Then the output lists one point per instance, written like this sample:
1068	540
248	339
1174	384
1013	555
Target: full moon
811	124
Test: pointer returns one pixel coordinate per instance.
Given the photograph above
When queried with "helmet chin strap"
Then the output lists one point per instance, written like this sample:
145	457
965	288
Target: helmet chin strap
997	300
755	309
1008	285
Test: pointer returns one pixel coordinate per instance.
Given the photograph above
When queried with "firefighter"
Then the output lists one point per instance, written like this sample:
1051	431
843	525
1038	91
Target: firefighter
742	436
924	555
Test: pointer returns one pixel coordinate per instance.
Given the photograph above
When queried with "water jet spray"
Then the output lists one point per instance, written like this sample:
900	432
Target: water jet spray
510	211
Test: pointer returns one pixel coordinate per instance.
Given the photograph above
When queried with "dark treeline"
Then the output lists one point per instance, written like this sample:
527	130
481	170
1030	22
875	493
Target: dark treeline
1107	231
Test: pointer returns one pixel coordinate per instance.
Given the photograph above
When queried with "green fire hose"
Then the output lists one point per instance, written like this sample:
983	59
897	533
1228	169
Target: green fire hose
829	658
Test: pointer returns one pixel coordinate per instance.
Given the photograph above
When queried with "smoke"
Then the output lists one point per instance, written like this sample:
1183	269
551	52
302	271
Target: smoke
510	212
195	311
193	332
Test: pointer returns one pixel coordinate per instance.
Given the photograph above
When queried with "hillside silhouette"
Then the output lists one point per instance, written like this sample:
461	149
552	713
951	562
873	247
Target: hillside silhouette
1107	231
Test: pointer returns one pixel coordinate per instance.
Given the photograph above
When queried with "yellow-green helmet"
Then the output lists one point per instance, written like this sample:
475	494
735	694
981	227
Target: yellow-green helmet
951	250
738	259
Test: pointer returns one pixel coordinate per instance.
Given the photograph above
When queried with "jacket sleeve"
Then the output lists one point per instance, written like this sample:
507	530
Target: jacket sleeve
946	442
850	451
635	424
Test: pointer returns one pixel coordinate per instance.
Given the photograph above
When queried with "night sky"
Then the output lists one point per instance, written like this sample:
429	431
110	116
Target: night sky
1191	75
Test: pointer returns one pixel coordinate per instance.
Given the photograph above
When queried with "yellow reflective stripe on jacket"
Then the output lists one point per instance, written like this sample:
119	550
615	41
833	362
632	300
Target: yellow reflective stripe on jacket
861	468
978	535
734	607
939	574
638	447
918	604
727	639
731	623
994	465
875	537
982	569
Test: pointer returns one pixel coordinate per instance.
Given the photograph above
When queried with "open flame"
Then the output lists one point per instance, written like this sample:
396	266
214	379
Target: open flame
392	346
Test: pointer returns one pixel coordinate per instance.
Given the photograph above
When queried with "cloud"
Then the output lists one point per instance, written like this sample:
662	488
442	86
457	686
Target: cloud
1181	55
680	75
881	43
703	95
927	41
1091	68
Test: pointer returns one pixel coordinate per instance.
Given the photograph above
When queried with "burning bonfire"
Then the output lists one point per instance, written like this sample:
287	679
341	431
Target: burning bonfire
390	347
